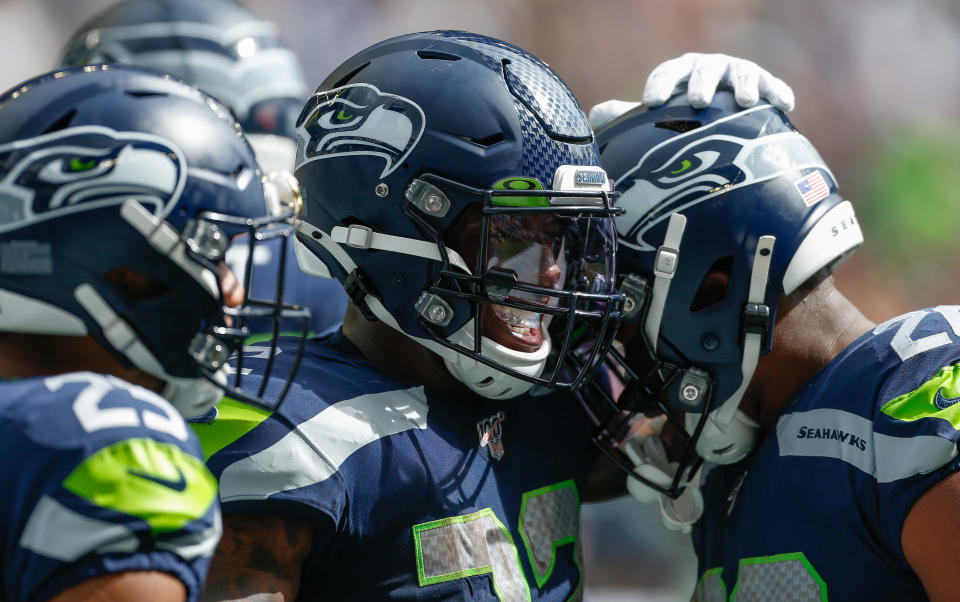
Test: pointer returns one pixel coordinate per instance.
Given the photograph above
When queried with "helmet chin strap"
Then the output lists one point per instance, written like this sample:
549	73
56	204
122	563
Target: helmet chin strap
728	434
480	378
647	453
664	267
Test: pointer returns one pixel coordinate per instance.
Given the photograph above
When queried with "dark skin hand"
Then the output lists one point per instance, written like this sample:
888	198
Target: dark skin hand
259	558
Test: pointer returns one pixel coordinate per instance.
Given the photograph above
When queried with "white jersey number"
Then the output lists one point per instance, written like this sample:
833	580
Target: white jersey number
92	417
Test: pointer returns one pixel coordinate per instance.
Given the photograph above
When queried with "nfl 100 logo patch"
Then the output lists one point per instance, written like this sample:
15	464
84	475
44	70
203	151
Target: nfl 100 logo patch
490	431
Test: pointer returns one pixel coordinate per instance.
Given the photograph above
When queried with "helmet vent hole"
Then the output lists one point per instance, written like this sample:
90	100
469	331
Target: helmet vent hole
678	125
485	382
134	285
63	122
437	55
144	93
713	287
486	141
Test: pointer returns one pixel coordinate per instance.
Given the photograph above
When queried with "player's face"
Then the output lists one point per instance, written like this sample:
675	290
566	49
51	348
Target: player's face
529	247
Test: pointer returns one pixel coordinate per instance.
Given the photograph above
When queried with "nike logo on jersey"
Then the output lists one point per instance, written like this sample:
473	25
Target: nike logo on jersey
179	485
944	402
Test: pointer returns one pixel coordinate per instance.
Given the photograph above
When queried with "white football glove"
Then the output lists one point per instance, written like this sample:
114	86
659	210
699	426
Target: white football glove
703	74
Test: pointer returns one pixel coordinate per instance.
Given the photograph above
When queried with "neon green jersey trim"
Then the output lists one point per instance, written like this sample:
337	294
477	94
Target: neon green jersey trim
718	571
519	201
234	420
922	402
157	482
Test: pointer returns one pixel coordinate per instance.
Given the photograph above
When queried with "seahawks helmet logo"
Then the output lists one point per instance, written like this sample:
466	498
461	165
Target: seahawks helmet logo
358	119
691	168
84	168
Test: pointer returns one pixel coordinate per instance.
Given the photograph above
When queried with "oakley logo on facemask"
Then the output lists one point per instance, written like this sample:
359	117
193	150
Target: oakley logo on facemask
691	168
359	120
85	168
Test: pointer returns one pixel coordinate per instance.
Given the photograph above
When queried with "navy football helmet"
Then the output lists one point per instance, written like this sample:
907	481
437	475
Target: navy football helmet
452	183
218	46
233	55
112	168
718	190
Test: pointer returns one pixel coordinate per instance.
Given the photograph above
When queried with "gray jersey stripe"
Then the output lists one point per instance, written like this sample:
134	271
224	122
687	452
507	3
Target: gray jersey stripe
831	433
314	451
55	531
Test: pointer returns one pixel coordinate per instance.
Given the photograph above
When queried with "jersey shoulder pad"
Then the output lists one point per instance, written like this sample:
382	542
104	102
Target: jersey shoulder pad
294	456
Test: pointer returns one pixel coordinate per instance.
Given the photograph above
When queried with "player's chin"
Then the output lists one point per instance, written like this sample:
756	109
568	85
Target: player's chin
515	329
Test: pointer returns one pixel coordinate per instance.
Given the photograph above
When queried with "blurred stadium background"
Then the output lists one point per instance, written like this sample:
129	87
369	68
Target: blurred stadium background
876	84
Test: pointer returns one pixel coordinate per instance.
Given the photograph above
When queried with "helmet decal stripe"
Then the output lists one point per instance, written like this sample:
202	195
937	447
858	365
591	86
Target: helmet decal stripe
661	184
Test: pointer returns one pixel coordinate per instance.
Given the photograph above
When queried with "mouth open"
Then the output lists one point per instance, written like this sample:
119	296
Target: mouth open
513	328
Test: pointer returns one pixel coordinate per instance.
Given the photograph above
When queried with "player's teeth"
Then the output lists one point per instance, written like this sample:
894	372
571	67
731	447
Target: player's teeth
517	318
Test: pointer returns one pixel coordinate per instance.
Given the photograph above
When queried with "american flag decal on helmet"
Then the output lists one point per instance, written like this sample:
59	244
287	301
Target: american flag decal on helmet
812	188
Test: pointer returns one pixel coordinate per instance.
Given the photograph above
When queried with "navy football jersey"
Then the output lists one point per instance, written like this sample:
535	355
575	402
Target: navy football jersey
98	476
410	496
816	512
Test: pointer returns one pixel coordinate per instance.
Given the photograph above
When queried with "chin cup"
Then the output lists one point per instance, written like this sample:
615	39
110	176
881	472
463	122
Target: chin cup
724	443
650	461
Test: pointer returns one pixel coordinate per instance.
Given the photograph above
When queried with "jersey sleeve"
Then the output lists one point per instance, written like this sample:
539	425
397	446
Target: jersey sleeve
266	465
109	480
916	431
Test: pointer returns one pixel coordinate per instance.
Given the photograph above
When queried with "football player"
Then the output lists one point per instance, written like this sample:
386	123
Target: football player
452	184
829	444
235	56
116	311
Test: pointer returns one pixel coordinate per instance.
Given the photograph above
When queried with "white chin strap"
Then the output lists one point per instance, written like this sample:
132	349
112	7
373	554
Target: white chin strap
728	434
480	378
